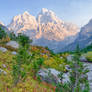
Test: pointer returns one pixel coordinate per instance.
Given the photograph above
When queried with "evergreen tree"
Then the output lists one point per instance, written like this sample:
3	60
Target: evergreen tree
37	65
24	40
2	33
12	36
23	57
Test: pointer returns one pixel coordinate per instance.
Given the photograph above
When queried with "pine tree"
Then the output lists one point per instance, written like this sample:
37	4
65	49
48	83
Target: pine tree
23	57
12	36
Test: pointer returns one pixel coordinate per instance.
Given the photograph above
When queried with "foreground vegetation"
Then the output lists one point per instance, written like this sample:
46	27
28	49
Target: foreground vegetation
22	68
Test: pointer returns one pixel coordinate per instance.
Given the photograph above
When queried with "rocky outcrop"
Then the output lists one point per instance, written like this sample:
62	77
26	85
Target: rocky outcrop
83	59
13	44
51	76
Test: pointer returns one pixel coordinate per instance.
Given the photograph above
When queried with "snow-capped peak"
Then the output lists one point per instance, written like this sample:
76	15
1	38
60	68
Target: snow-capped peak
26	13
23	22
44	10
46	16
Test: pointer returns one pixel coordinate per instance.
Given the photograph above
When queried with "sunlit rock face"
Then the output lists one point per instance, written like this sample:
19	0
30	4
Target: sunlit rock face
46	16
24	23
45	30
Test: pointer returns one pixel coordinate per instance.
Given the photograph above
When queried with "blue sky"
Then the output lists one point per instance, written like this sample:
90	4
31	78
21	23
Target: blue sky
76	11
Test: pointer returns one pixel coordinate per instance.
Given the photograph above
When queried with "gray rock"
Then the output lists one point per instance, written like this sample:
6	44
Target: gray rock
14	52
67	67
4	66
51	76
65	77
83	59
3	49
13	44
69	58
2	71
61	57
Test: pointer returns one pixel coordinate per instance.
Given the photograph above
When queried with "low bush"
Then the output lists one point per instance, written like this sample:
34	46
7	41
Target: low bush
89	56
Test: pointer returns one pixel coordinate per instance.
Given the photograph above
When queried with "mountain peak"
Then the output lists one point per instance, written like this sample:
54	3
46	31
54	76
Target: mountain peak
46	16
26	13
44	10
23	22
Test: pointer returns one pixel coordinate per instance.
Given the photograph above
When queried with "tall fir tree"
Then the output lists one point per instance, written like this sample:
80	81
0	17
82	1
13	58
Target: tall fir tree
23	57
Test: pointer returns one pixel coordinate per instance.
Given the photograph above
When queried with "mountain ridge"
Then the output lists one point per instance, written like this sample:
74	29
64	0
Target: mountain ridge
83	39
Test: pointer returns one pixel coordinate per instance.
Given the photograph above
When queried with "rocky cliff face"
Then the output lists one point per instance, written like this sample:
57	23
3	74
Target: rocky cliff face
84	38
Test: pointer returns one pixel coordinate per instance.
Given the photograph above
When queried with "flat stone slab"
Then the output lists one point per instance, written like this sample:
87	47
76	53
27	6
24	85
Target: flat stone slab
14	52
2	71
3	49
13	44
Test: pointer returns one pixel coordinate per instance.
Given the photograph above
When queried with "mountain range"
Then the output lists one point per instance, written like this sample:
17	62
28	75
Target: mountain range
84	38
45	30
50	31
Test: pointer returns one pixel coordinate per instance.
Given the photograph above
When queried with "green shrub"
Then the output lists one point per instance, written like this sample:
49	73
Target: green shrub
23	40
12	36
37	65
2	33
89	56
